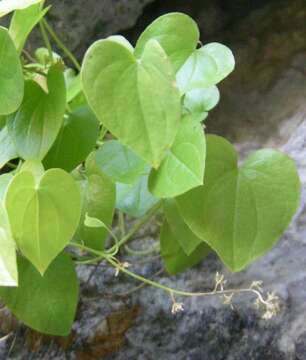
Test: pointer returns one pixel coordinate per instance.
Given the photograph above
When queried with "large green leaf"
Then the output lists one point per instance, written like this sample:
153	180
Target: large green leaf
11	77
198	102
98	201
136	100
75	141
45	303
7	6
4	182
205	67
173	255
7	147
36	124
135	199
44	214
22	23
119	162
241	212
8	265
177	33
183	167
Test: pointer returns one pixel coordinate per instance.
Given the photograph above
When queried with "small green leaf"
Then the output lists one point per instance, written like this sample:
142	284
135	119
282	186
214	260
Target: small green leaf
198	102
75	141
23	21
43	56
45	303
183	167
8	265
44	214
11	77
148	83
7	147
135	199
173	255
119	163
36	124
93	222
205	67
98	201
241	212
177	33
184	236
7	6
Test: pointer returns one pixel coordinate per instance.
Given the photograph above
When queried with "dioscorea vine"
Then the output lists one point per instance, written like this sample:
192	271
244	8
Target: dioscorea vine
123	133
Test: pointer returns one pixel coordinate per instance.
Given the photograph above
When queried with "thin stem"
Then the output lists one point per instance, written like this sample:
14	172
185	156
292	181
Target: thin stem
121	224
11	165
61	45
46	39
138	225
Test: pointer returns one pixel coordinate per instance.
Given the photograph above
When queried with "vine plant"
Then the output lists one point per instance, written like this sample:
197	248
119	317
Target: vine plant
123	130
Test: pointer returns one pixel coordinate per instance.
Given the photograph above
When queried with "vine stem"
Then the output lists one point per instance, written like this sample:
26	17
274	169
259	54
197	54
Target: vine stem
61	45
46	39
116	264
137	226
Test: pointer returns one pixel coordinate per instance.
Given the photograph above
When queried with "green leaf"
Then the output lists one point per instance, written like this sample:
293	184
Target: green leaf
43	56
177	33
173	255
7	147
45	303
8	265
98	201
44	214
198	102
123	41
184	236
75	141
93	222
7	6
205	67
119	163
11	77
183	167
36	124
241	212
148	84
135	199
22	23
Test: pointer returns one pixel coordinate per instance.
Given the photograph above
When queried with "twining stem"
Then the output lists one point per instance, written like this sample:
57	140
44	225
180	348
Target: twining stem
121	224
46	39
144	252
61	45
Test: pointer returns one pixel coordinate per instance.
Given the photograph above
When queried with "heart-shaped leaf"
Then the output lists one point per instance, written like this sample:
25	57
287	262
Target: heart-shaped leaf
36	124
205	67
177	33
183	167
241	212
198	102
23	21
45	303
44	214
8	265
119	162
11	77
173	255
136	100
75	141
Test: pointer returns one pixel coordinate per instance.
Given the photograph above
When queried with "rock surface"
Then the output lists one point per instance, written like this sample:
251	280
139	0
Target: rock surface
263	103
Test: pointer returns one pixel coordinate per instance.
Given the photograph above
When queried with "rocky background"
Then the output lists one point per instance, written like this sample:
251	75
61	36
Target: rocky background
263	103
